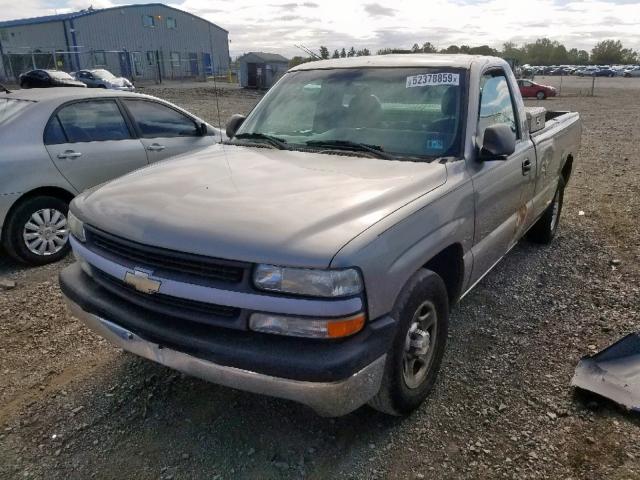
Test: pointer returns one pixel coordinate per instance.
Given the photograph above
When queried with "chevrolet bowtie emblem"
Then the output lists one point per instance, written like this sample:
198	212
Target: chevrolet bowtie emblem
141	282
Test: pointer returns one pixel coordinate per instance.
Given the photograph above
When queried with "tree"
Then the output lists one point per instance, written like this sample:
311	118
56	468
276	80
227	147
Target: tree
429	48
612	51
297	60
343	53
352	52
416	48
578	57
324	53
336	54
363	53
451	49
511	51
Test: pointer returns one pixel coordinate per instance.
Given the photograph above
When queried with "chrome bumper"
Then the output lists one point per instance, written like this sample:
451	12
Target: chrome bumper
329	399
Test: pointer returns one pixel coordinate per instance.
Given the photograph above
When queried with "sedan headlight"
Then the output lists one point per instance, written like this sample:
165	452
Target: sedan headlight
76	227
302	281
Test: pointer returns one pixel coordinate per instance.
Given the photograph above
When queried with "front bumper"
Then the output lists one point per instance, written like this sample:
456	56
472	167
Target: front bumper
326	398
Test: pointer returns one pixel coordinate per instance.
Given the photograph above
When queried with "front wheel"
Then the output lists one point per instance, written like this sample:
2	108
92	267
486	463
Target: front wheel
37	231
413	362
541	95
546	227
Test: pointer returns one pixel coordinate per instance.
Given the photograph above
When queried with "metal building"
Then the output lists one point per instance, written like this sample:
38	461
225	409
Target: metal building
150	41
261	70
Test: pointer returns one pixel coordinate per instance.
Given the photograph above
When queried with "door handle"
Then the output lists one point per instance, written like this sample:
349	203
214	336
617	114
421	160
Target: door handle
156	147
526	166
69	154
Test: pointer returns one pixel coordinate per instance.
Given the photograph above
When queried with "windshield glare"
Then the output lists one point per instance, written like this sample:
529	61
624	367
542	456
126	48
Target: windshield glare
406	111
60	75
103	74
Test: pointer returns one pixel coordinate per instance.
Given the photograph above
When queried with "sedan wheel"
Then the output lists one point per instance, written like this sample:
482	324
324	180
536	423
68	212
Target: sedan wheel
46	232
540	95
36	230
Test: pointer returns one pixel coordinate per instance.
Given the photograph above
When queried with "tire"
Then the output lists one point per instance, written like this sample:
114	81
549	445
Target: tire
541	95
402	391
24	221
546	227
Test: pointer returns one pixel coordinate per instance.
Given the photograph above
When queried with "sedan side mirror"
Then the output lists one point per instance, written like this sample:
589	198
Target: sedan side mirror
234	124
202	129
498	142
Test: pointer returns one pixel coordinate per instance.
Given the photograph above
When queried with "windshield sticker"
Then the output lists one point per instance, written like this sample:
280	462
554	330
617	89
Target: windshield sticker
433	79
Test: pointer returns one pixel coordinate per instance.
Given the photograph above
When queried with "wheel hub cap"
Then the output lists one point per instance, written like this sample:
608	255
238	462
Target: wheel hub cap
45	233
419	345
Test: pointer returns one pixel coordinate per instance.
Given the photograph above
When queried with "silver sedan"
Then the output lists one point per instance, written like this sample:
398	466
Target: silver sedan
57	142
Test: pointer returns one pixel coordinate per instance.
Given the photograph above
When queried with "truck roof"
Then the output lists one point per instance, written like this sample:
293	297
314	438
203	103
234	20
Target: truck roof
399	60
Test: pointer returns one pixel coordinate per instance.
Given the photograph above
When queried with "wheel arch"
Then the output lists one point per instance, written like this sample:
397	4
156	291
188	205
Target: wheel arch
567	168
449	265
49	191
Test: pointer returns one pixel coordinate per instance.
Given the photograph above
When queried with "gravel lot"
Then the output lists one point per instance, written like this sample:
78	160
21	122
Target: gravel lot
73	407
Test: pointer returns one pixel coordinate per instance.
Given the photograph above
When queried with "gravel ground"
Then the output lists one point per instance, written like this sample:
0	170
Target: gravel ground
73	407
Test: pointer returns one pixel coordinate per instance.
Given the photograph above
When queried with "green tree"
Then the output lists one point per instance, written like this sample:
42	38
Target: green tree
612	51
297	60
511	51
352	52
451	49
428	47
416	48
343	53
363	53
336	54
324	53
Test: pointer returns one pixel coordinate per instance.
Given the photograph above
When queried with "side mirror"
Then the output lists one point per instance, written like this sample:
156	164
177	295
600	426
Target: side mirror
498	142
234	124
202	129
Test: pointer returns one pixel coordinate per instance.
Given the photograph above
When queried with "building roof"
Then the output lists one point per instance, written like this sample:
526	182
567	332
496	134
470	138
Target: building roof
398	60
90	11
265	57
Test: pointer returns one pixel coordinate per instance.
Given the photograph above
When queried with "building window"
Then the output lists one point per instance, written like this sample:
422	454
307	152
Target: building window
171	23
99	59
148	21
3	35
175	59
151	57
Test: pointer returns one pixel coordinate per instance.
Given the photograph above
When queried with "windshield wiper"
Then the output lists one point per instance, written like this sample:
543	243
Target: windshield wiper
275	141
352	146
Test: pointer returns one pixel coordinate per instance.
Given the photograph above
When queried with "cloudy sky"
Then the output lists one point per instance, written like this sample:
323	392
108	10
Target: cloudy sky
277	25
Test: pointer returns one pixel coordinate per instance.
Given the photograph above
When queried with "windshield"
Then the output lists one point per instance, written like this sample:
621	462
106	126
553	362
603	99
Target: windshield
60	75
412	112
103	74
10	108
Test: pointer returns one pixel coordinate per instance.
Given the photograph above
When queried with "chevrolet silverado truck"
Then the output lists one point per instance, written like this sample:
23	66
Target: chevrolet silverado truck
316	254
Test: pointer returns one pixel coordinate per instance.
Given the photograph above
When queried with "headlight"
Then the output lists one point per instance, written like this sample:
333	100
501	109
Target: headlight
302	281
76	227
307	327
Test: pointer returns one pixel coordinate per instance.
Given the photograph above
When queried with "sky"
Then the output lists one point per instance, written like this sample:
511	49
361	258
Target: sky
279	25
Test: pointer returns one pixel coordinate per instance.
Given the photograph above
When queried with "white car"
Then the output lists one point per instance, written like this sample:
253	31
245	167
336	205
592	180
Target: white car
58	142
101	78
632	72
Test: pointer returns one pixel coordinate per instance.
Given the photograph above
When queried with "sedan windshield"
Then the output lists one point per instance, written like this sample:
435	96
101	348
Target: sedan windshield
405	112
60	75
103	74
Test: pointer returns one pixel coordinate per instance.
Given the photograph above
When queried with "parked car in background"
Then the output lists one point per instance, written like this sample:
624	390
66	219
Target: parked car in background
587	71
316	255
632	72
604	72
529	88
57	142
101	78
47	78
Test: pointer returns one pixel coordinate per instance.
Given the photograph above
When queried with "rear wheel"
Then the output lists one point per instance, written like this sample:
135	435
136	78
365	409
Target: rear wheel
412	365
541	95
546	227
37	231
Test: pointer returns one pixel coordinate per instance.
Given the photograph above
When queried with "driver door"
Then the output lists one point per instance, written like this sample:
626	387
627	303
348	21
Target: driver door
503	188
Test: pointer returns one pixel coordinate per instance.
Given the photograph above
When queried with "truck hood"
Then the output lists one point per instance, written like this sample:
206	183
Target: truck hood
256	204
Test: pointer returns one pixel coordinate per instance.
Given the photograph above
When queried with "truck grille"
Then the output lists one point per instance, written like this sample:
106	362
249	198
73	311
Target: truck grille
163	260
182	308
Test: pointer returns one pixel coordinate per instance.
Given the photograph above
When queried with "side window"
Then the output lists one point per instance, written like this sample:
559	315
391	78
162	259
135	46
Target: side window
156	120
496	105
93	121
54	135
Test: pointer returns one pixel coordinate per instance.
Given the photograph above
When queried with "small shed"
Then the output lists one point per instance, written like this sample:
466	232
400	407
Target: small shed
261	70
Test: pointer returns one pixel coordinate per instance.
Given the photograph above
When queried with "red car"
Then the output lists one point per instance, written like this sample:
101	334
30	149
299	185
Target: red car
533	89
